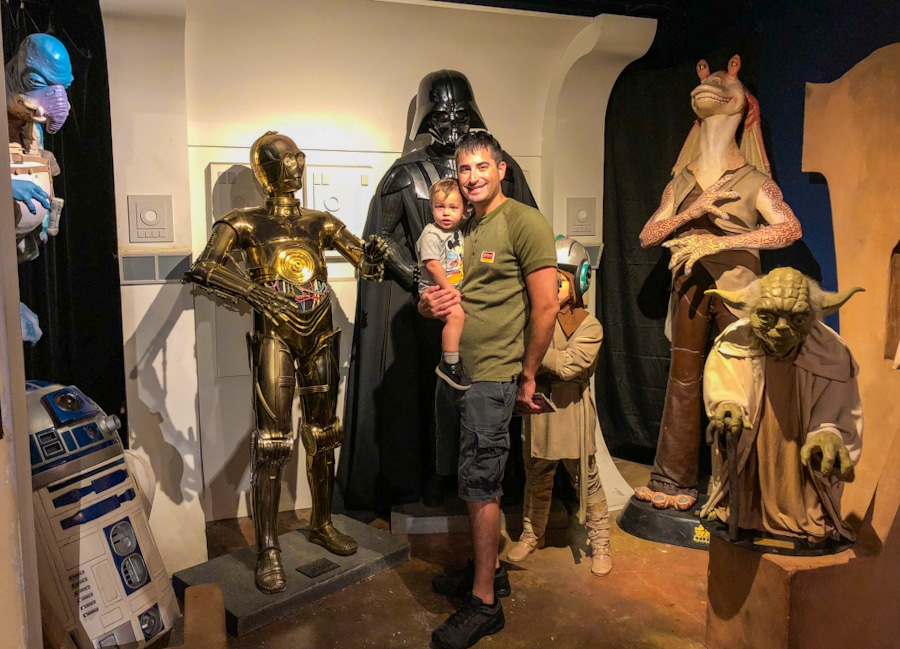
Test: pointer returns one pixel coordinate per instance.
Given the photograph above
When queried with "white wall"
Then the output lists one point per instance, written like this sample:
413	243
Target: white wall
148	111
339	74
574	122
198	81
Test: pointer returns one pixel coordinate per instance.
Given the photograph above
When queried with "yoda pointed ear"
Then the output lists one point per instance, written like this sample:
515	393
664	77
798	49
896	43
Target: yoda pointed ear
831	302
734	299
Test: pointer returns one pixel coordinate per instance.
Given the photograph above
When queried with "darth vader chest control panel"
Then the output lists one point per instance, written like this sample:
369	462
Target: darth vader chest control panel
98	565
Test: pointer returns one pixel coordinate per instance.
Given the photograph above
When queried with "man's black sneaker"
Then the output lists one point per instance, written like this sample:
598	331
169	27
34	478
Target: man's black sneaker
471	622
457	583
454	374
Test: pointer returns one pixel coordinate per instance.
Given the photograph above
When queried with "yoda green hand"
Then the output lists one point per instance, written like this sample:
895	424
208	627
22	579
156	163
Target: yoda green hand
832	448
728	418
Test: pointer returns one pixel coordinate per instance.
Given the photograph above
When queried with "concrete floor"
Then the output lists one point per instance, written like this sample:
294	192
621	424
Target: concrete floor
655	597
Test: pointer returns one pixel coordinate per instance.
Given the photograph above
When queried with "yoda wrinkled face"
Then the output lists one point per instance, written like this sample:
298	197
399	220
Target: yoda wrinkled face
783	316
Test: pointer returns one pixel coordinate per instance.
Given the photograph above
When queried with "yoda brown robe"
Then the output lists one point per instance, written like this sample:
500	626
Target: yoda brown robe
787	403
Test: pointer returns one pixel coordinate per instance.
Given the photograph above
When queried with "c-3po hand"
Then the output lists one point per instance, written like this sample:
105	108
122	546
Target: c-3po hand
277	307
375	251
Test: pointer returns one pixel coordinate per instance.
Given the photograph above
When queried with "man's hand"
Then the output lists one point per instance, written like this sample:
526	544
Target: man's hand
831	448
436	302
524	394
728	419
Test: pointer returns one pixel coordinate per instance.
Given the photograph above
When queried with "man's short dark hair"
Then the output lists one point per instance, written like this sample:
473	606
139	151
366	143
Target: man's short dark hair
475	141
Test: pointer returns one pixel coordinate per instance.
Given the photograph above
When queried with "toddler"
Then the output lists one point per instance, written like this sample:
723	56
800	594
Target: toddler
439	249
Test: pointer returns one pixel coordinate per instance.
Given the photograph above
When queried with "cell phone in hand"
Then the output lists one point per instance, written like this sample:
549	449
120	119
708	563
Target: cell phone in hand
544	401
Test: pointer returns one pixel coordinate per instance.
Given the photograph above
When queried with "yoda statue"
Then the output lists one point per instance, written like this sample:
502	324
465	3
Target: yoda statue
781	393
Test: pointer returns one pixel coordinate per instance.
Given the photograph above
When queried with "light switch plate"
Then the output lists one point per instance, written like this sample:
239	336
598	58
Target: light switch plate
150	219
581	217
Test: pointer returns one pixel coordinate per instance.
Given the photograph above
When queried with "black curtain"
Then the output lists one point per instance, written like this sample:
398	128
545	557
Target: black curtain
73	285
648	119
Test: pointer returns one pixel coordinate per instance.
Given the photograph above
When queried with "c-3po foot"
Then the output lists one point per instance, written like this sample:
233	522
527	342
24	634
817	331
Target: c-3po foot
332	540
270	576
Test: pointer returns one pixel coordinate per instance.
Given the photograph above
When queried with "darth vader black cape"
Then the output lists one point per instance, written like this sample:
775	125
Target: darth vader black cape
388	450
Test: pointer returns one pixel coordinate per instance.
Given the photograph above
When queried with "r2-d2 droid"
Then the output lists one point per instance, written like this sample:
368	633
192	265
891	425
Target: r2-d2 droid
98	565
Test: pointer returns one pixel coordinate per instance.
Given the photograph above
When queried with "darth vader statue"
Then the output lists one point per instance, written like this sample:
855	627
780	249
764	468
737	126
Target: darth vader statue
389	455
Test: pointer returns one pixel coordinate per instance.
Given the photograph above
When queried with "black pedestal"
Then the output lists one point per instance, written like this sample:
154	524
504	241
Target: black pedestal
312	573
671	526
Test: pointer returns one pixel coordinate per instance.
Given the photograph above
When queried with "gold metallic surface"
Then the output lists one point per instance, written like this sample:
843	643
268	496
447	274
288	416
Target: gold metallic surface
295	264
284	278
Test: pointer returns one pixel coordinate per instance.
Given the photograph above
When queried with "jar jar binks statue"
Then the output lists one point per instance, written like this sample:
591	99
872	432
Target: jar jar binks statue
719	210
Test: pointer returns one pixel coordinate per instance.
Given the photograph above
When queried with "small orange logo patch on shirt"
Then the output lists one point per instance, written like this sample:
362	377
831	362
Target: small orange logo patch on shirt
487	257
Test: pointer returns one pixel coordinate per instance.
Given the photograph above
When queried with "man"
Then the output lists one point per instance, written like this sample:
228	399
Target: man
389	453
509	247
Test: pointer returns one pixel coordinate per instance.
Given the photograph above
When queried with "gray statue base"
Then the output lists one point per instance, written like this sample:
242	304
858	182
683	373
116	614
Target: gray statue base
312	573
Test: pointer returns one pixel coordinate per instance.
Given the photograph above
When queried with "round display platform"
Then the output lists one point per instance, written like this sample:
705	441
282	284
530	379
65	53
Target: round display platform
644	521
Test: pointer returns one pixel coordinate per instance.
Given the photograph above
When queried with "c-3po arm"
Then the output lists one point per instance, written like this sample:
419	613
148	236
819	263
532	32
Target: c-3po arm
211	272
373	256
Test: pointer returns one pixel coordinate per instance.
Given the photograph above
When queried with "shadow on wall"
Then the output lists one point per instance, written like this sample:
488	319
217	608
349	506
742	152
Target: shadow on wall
172	452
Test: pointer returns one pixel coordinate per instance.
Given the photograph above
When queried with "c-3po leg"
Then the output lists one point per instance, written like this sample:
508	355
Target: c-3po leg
271	447
321	433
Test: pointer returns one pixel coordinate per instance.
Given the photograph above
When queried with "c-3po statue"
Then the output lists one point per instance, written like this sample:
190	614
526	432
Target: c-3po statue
293	341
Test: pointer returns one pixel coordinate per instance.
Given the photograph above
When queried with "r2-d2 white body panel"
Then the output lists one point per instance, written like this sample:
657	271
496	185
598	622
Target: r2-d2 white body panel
98	565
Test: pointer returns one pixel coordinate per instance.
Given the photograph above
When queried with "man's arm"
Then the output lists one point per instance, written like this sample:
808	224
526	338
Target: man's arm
544	301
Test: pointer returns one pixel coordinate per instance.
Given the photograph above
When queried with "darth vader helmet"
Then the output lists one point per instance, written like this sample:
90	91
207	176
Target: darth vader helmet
445	107
277	164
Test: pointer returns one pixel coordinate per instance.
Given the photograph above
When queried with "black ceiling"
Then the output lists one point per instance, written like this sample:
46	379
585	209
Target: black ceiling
652	9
